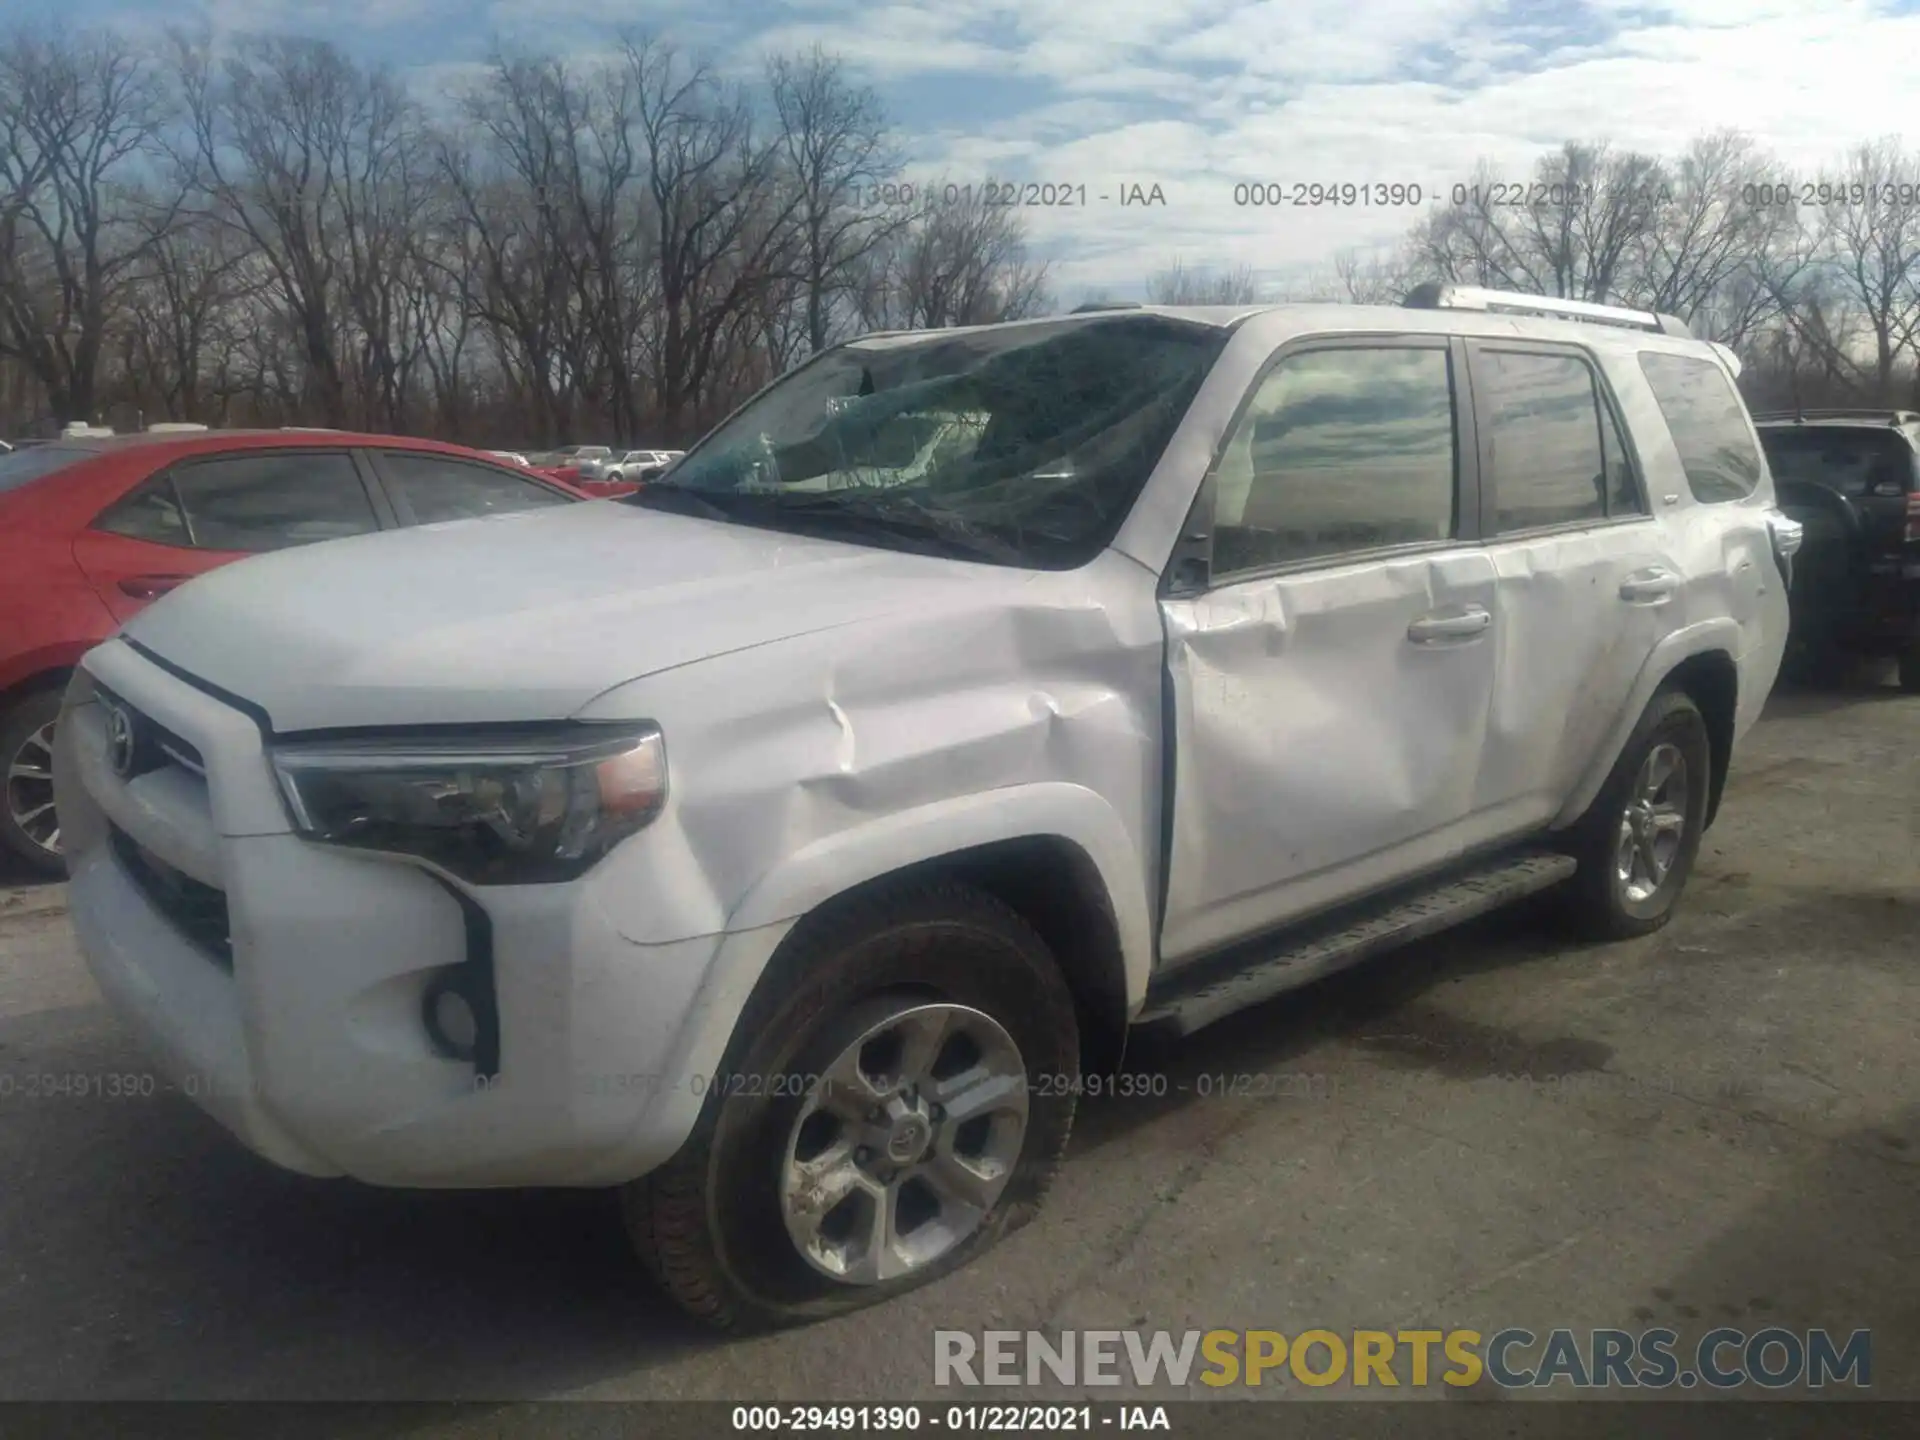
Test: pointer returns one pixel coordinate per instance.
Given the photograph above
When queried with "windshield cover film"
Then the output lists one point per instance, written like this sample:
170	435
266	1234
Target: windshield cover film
1021	445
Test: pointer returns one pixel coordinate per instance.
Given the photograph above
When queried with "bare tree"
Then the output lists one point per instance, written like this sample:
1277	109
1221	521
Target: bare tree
721	222
87	196
1373	279
317	164
834	141
622	248
1176	285
194	277
1573	229
1870	239
964	263
507	175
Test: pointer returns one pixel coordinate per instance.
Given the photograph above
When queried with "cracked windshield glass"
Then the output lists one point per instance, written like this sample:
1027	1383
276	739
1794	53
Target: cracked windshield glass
1024	446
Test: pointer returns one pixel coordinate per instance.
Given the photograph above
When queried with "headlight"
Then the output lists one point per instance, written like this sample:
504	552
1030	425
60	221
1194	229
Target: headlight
511	809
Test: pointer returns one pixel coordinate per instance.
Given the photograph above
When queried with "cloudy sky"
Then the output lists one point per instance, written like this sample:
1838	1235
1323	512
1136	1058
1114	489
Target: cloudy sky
1198	96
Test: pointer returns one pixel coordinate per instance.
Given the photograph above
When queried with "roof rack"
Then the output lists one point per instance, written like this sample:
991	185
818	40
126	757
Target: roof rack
1893	418
1437	296
1092	305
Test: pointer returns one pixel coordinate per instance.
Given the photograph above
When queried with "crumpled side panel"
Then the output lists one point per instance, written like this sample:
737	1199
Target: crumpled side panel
1014	679
1312	735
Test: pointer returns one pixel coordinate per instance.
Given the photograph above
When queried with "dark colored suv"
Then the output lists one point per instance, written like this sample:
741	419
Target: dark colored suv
1852	478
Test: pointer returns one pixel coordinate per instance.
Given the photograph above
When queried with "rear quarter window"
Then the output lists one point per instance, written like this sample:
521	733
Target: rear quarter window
1708	424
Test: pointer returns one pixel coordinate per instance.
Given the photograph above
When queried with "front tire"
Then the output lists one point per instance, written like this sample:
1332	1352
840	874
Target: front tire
1910	670
896	1098
1637	842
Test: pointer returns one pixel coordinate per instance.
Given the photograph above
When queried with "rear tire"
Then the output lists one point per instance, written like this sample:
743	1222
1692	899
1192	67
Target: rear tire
721	1225
26	783
1638	840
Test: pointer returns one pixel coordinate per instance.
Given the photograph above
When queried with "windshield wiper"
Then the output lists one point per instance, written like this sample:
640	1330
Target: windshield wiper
902	515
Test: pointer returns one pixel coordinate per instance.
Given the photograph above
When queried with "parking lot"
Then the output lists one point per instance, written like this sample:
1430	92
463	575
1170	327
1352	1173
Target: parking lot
1716	1125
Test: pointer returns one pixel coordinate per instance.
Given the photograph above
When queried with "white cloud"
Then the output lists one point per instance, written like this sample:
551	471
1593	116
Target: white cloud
1198	95
1311	96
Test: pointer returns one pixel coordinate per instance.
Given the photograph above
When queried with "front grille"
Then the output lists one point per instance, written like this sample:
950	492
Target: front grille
151	745
197	911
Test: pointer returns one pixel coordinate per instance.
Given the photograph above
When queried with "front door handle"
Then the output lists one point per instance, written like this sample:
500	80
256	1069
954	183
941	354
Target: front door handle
1449	625
151	587
1649	587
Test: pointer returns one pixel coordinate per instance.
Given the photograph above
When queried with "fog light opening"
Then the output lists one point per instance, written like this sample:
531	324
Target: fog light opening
452	1023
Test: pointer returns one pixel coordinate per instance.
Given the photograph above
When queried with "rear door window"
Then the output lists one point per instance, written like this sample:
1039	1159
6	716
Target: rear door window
271	500
1553	460
430	488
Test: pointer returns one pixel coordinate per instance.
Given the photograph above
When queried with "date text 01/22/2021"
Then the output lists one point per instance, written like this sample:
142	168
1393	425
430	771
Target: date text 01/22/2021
959	1419
995	194
1126	1085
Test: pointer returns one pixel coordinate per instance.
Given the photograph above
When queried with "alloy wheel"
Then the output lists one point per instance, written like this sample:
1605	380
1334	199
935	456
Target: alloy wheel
30	790
1653	826
903	1148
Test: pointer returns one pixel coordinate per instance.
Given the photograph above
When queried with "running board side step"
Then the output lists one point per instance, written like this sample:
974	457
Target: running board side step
1244	976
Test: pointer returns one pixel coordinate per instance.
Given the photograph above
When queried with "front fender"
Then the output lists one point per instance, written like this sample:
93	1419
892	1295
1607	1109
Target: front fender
836	863
1721	633
816	873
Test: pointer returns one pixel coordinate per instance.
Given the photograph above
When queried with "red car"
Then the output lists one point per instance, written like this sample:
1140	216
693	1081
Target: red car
597	489
92	529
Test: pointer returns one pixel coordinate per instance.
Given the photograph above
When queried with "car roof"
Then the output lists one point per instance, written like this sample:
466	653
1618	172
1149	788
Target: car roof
1280	321
1856	420
194	442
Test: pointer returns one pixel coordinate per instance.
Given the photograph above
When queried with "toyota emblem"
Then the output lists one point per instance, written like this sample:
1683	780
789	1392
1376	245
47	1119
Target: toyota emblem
119	741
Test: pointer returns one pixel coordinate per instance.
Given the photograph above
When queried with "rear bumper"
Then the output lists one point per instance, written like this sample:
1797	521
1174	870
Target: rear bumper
304	1034
1882	616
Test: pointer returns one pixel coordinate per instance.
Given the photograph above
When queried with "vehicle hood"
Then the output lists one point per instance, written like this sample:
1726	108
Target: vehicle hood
525	616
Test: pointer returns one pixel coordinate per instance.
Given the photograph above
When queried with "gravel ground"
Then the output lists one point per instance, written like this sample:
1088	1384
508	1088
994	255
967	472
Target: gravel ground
1722	1126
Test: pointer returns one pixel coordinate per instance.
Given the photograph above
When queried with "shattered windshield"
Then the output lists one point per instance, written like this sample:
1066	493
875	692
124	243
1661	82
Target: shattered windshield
1023	445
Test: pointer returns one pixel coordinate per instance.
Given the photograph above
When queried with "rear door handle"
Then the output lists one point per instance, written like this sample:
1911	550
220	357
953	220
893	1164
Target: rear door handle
150	587
1649	587
1450	625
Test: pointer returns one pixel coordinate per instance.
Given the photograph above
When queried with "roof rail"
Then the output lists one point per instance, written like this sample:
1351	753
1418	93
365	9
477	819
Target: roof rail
1437	296
1893	418
1092	305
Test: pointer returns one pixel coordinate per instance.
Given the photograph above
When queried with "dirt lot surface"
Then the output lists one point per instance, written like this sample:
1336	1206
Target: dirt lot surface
1717	1125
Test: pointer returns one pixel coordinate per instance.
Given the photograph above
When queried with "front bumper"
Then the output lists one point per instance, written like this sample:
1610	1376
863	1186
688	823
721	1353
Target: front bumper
303	1035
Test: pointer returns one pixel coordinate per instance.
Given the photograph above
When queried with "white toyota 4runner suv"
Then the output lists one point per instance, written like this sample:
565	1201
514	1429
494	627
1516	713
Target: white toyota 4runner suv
790	843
